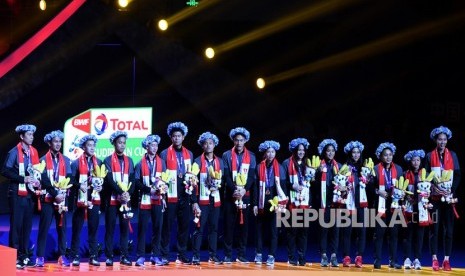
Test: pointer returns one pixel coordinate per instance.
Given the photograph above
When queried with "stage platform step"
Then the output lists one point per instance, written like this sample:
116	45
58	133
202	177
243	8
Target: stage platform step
206	269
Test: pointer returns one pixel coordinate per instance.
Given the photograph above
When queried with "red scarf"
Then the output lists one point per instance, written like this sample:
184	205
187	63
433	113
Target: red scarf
49	165
118	174
448	161
116	166
291	169
262	177
382	187
245	159
203	167
282	198
244	169
350	200
83	169
204	198
50	171
172	169
323	180
382	176
172	161
296	202
84	176
145	166
148	200
437	168
262	169
34	159
51	175
410	176
293	179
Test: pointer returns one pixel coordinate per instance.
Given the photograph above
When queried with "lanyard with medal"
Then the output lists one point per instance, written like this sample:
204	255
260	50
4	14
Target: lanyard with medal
152	165
441	161
300	176
300	179
122	170
268	175
29	169
90	168
180	161
209	180
238	162
388	178
55	168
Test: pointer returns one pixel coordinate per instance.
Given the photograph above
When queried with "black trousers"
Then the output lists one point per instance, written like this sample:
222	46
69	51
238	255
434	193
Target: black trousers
360	234
93	217
443	214
181	212
110	222
232	221
266	222
21	211
47	213
209	218
154	215
412	235
332	232
393	233
296	241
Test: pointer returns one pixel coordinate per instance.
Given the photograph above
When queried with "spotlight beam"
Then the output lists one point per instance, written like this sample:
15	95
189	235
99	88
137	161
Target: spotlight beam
311	12
189	11
38	38
373	48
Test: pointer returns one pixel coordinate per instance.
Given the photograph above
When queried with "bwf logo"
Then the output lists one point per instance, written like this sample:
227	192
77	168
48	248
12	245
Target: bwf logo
82	122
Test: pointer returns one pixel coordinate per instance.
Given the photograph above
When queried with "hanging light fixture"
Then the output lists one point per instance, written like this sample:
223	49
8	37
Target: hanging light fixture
209	52
260	83
123	3
42	5
163	24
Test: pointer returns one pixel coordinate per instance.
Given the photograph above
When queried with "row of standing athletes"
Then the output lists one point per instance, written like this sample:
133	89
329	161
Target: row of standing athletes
259	185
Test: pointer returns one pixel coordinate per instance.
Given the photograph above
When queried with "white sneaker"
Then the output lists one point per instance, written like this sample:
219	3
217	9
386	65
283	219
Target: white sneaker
270	260
417	264
407	263
258	259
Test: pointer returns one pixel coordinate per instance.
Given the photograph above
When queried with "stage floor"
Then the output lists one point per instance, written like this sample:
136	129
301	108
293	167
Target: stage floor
235	269
206	269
